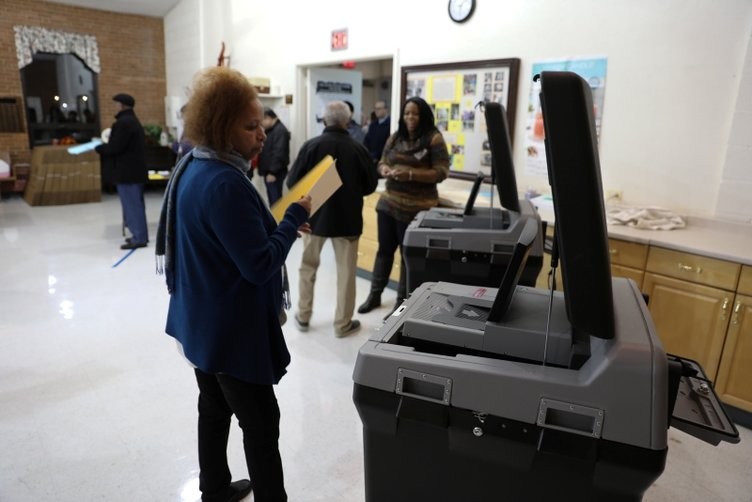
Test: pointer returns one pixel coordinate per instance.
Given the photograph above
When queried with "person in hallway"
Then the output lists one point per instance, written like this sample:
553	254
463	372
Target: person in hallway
414	160
378	131
340	218
222	253
275	157
125	155
353	127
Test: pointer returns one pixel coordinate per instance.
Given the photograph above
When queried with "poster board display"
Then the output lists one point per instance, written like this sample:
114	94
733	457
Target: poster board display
454	90
593	70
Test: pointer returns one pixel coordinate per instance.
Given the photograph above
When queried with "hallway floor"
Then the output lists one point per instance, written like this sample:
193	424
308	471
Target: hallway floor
96	403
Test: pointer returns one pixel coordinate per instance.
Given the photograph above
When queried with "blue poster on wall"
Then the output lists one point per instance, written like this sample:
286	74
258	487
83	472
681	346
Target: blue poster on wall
593	70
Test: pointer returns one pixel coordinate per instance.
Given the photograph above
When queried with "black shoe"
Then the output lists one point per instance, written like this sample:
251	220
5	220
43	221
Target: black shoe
130	239
373	301
237	490
133	245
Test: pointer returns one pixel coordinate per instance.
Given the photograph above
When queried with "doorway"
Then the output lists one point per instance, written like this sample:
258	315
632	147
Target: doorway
376	84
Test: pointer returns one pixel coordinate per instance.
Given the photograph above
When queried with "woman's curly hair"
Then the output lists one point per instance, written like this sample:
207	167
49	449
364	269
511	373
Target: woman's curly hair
219	98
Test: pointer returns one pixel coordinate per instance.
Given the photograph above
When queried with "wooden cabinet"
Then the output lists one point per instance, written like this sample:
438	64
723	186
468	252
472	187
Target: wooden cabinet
690	319
690	300
628	259
369	241
734	383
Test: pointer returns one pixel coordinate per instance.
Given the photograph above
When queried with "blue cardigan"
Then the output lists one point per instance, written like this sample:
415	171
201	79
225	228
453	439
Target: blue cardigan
229	252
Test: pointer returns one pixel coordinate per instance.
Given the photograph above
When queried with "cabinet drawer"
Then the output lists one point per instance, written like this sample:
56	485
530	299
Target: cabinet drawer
628	254
370	222
693	268
745	281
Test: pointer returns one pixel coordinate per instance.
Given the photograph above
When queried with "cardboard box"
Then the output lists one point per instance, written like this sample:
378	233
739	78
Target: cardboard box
262	84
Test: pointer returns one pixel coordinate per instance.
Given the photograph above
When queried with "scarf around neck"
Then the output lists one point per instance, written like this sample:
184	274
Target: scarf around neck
165	245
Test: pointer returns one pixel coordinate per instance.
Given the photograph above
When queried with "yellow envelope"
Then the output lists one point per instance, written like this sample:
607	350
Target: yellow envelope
320	183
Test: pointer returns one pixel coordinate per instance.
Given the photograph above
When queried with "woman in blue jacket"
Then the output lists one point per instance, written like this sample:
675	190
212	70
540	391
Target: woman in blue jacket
222	253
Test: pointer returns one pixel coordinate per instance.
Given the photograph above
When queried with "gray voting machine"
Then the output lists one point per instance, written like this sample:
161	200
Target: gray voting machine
471	393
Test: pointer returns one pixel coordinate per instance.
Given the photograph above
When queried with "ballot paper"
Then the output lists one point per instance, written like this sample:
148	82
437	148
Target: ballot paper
320	183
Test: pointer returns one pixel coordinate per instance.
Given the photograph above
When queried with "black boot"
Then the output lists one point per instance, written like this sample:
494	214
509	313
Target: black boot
373	301
379	278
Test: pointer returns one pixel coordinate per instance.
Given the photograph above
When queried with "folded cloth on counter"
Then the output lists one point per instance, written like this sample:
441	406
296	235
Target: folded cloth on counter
647	218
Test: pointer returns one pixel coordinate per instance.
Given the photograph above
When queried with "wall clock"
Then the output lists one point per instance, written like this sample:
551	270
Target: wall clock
461	10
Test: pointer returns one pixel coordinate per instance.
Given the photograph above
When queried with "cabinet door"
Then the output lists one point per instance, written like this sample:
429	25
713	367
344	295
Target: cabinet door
369	239
629	273
691	319
735	373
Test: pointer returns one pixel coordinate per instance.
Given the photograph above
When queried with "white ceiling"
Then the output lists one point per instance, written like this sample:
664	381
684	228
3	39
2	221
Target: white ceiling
153	8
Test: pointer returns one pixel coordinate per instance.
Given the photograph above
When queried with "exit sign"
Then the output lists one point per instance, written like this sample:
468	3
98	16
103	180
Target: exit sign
339	40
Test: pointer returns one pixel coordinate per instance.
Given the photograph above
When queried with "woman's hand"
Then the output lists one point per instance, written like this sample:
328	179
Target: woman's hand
385	171
400	173
305	201
397	173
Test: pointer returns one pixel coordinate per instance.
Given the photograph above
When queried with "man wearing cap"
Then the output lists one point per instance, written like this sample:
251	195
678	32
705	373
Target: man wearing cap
126	153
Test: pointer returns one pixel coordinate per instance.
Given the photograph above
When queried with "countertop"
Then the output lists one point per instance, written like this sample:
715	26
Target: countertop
724	240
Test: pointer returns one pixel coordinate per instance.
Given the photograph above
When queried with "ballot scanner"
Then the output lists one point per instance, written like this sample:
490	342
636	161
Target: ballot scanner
472	245
514	393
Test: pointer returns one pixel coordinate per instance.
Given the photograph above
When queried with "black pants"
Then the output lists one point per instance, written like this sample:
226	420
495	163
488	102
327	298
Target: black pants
391	234
221	396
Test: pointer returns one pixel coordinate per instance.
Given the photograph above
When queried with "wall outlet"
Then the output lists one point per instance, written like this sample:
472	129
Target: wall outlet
613	195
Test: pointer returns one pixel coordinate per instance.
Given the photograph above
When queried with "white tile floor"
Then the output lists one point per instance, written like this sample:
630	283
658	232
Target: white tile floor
96	404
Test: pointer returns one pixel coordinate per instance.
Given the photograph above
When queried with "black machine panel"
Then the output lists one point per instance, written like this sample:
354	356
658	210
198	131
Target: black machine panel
574	174
502	164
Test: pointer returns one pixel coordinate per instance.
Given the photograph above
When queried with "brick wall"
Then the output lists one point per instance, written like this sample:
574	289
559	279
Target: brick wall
131	54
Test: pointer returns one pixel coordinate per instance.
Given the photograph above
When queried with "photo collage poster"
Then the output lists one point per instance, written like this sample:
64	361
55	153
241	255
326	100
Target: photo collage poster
593	70
454	97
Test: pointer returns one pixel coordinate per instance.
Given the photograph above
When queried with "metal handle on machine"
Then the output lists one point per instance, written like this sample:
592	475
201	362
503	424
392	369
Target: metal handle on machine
424	386
438	249
570	417
689	268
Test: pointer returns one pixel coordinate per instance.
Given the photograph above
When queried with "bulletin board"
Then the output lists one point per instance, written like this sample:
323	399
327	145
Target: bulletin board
454	90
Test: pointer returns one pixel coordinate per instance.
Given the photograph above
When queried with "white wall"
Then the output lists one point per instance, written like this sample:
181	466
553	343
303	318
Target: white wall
674	71
735	193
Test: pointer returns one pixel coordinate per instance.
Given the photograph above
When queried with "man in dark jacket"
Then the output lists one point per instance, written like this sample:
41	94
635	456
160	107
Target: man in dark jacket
340	218
378	131
125	152
275	156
